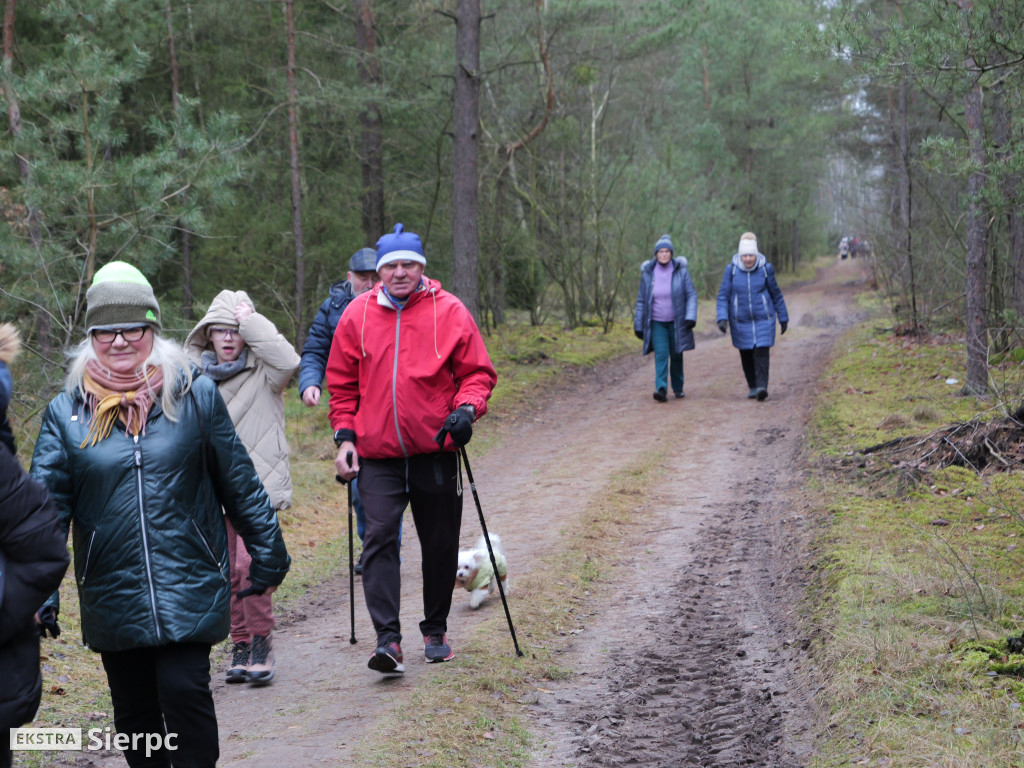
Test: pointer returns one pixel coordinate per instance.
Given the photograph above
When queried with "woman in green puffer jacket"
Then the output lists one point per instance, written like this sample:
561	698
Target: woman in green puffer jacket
140	457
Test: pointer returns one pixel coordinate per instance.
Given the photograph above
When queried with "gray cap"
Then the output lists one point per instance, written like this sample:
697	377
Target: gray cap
363	260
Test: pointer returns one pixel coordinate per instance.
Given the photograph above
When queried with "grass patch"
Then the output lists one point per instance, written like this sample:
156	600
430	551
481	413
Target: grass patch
881	387
921	571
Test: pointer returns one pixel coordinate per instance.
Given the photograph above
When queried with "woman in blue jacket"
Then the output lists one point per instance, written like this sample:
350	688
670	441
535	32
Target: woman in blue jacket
749	300
666	311
143	463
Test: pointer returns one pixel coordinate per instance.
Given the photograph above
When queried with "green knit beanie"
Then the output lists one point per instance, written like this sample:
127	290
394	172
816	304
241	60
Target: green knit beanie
120	295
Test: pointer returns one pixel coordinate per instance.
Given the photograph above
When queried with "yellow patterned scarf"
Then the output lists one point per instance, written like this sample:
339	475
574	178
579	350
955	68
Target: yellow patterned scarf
111	395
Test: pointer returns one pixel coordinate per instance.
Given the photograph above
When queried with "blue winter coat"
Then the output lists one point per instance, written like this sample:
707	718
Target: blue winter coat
150	545
321	332
750	300
684	304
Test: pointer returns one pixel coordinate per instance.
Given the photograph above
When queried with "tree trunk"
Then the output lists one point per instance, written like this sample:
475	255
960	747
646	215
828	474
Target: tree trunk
14	114
977	245
293	149
43	326
187	298
465	202
372	140
905	200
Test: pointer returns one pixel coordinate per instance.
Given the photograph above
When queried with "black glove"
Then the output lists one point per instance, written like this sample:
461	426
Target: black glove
459	425
783	325
254	588
639	335
723	325
48	621
689	324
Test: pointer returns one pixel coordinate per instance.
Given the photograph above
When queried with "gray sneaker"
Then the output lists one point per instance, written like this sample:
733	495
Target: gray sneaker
436	648
387	659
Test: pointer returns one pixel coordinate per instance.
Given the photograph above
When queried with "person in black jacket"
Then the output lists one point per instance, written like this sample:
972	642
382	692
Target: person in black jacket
33	559
361	277
140	453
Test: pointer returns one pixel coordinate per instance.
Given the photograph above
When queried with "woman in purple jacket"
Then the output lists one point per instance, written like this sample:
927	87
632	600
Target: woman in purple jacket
666	311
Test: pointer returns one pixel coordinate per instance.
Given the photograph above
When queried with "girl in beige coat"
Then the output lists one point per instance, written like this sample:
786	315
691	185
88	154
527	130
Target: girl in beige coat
252	364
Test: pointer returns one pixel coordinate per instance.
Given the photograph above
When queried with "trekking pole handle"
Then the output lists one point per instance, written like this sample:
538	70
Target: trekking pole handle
348	461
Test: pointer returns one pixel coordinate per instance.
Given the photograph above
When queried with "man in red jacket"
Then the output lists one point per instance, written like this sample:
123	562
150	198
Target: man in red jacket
408	375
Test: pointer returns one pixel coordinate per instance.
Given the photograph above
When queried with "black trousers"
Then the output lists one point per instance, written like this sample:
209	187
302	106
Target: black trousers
755	366
164	690
431	486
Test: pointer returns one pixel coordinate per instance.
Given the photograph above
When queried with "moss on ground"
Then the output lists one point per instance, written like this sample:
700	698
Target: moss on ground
921	568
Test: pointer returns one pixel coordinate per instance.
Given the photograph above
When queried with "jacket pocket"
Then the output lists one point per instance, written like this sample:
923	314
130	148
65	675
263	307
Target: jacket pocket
208	549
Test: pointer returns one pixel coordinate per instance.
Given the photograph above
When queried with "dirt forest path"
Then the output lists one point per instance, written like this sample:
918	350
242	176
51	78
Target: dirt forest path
689	659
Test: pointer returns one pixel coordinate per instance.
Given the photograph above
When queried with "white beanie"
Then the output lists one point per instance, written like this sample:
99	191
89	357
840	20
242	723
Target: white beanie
748	244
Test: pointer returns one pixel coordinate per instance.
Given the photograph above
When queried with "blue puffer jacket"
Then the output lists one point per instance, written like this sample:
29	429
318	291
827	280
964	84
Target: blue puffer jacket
750	300
321	333
684	304
150	544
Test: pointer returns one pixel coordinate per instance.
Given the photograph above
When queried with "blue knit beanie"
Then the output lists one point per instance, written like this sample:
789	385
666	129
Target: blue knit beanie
664	242
400	246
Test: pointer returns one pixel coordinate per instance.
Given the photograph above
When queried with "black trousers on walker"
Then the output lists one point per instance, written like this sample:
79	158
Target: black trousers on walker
430	484
755	366
163	690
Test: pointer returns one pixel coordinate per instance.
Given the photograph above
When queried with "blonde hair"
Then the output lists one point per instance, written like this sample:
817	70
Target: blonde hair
167	355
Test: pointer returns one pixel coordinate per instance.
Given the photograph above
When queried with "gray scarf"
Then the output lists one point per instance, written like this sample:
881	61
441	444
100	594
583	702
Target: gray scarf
221	371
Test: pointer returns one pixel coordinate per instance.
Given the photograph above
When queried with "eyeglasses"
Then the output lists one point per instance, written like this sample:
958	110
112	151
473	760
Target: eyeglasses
128	334
222	333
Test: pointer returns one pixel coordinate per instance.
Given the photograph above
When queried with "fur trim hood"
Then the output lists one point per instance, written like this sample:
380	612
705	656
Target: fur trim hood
221	312
10	342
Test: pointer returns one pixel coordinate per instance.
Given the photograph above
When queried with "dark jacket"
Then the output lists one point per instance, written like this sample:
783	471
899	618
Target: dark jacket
150	544
33	559
684	304
750	301
321	332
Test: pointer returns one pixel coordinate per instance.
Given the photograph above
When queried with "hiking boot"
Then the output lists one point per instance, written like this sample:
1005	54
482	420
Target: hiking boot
752	393
680	395
436	648
660	395
238	672
387	658
762	394
357	569
261	663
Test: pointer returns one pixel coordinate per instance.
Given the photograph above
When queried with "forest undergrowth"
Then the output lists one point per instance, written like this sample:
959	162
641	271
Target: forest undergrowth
919	598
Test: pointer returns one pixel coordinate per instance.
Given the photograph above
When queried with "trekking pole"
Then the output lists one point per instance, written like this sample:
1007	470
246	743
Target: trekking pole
490	549
351	563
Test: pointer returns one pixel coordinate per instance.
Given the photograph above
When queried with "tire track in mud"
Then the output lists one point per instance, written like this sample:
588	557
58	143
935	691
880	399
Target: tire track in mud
704	695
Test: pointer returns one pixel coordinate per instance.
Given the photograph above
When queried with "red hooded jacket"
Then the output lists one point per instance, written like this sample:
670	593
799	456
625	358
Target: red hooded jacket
395	374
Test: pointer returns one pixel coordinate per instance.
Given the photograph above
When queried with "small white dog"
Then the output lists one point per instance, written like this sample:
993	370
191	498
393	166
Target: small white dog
476	574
